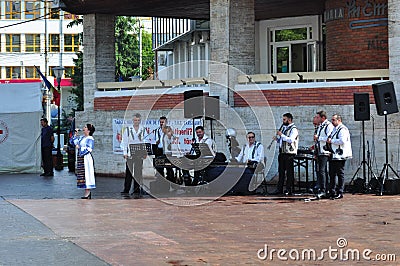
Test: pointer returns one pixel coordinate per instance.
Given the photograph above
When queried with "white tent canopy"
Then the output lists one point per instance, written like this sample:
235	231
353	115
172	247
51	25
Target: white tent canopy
20	113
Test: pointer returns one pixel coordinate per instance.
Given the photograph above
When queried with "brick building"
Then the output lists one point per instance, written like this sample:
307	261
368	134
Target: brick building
258	70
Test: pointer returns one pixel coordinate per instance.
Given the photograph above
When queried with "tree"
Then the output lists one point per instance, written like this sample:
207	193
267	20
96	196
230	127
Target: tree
127	49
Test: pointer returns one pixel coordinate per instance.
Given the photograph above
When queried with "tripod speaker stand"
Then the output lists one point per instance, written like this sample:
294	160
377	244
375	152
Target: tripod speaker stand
364	164
385	171
362	113
386	103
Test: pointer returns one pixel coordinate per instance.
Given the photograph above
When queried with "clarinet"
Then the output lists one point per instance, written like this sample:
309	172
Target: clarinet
274	138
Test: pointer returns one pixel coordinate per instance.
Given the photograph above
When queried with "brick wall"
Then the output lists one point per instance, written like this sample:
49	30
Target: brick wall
352	42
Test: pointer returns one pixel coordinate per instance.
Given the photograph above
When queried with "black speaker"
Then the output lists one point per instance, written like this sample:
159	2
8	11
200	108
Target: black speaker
385	98
193	104
361	106
211	106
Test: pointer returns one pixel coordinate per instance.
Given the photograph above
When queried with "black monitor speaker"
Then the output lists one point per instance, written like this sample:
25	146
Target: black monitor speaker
385	98
211	106
361	107
193	104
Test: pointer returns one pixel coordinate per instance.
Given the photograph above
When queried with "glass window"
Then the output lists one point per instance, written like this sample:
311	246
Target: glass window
13	43
32	9
13	72
13	9
54	14
54	43
32	43
71	42
69	71
31	72
291	34
70	16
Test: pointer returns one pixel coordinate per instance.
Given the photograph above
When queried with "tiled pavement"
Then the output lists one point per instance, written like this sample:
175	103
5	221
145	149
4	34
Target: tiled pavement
43	221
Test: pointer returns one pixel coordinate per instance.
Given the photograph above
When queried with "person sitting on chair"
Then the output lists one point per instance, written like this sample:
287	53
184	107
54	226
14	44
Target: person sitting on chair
252	153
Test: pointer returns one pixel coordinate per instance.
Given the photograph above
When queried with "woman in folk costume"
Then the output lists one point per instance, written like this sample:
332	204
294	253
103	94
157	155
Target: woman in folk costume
85	164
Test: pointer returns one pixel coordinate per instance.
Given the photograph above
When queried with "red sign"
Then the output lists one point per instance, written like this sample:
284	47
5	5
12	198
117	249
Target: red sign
67	82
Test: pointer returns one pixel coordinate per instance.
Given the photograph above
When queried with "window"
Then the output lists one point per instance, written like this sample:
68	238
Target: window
13	9
13	43
71	42
32	43
32	9
69	71
31	72
70	16
13	72
54	14
54	43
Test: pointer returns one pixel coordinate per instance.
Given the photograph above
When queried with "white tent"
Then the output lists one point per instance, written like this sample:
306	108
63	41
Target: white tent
20	113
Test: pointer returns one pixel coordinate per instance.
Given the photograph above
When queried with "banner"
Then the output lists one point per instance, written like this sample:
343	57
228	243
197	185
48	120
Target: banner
183	130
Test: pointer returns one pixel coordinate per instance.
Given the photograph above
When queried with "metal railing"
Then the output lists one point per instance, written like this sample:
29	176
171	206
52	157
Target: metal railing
320	76
295	77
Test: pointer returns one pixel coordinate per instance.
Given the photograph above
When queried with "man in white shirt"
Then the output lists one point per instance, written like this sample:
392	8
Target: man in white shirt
253	152
134	162
324	129
341	148
288	139
158	148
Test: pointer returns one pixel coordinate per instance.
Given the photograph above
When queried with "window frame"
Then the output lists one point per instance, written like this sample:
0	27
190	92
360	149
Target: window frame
10	72
54	47
35	45
11	14
10	43
35	12
74	46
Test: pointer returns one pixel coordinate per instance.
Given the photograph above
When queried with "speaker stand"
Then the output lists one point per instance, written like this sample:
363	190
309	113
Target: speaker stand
385	171
364	164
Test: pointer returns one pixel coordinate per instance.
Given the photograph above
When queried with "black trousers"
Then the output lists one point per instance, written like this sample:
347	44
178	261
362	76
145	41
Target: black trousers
336	168
47	159
322	172
286	170
135	166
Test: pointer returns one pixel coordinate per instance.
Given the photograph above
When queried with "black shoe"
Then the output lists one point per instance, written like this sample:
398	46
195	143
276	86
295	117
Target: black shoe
288	193
322	195
124	192
43	174
88	196
49	174
339	196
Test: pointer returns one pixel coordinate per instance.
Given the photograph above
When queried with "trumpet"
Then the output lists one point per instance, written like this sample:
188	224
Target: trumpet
274	138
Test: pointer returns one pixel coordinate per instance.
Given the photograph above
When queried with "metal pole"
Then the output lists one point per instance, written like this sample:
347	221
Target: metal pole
140	51
59	165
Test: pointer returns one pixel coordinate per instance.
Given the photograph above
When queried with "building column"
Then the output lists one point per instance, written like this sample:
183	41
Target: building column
98	55
232	42
394	44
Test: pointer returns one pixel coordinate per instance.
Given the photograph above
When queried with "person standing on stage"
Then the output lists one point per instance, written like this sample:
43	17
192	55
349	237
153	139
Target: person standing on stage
134	162
341	151
288	139
158	147
85	164
167	141
252	153
47	140
324	129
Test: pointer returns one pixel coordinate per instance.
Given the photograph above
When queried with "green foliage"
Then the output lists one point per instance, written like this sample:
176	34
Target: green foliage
126	55
127	49
77	80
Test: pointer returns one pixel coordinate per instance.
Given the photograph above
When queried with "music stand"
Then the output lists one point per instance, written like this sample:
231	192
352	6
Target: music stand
140	150
385	171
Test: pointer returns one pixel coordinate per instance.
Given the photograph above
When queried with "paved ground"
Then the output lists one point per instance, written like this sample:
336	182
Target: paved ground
43	221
